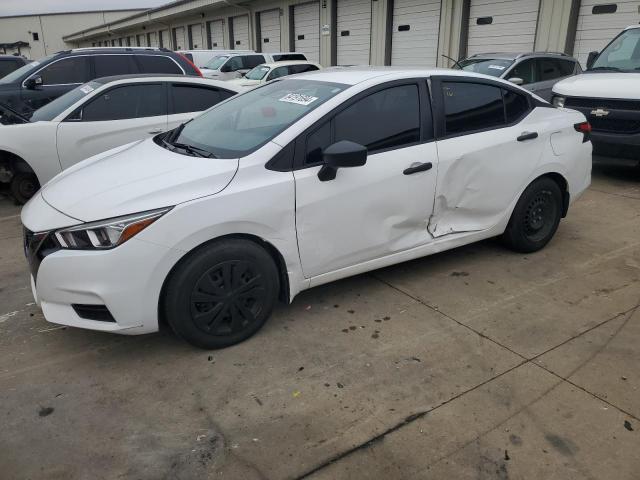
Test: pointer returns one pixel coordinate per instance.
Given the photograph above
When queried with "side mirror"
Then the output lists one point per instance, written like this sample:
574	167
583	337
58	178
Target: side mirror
225	68
516	81
591	59
33	82
342	154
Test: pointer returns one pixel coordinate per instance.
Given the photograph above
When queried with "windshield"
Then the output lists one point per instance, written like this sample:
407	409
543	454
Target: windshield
489	66
53	109
17	74
244	123
216	62
622	54
257	73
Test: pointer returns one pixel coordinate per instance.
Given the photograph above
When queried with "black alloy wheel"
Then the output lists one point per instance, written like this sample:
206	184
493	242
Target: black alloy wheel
221	293
23	186
536	216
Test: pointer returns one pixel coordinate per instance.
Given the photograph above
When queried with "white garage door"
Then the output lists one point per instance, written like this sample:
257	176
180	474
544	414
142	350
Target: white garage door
270	31
354	32
599	22
240	32
153	39
306	30
180	38
141	40
163	39
195	36
216	35
499	26
416	25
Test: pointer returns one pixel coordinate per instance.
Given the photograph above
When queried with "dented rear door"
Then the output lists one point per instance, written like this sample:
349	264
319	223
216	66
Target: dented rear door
490	142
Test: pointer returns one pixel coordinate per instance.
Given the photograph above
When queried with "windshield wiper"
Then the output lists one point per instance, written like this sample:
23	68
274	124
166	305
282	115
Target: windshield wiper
190	149
613	69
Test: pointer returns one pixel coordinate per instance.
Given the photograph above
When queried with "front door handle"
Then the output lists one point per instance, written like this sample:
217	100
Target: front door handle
418	167
155	132
527	136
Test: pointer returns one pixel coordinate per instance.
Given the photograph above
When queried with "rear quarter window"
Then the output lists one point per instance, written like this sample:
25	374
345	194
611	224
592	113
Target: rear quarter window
158	64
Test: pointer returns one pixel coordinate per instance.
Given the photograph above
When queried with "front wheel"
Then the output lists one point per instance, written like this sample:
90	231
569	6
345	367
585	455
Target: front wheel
535	218
221	294
23	186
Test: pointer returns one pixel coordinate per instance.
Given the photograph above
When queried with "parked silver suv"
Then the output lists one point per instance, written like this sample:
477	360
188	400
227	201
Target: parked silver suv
538	72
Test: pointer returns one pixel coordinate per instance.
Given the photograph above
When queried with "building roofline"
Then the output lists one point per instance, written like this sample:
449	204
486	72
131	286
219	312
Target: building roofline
146	13
141	9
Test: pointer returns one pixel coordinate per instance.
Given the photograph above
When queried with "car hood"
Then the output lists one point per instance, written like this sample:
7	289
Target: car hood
210	73
134	178
600	85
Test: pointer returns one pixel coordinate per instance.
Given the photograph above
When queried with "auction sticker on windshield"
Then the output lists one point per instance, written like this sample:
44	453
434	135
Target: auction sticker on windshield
86	89
496	67
299	99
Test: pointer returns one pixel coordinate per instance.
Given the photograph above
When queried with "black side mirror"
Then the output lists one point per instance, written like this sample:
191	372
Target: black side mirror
33	82
342	154
591	59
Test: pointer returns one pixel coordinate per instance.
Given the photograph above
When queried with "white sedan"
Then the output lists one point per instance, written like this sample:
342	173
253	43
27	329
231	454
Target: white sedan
270	71
296	183
97	116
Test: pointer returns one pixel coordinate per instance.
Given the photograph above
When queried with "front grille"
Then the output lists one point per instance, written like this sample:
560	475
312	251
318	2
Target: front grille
607	103
615	125
37	246
93	312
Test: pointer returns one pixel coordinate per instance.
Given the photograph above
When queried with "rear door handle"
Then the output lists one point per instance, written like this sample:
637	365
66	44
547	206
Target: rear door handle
527	136
420	167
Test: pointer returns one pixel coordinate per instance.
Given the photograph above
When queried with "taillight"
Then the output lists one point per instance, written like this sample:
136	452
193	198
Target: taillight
585	129
186	59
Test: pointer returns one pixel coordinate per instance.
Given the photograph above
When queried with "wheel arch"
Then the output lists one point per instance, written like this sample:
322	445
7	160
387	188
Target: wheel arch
284	293
562	182
15	161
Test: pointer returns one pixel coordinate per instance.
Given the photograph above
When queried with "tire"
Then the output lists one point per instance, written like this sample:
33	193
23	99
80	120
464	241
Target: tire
221	294
535	218
23	186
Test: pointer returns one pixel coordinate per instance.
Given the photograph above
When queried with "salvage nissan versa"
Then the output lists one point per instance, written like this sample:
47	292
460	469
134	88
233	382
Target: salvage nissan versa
296	183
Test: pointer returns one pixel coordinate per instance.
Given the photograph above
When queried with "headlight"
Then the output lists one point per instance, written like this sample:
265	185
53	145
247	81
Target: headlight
107	233
558	101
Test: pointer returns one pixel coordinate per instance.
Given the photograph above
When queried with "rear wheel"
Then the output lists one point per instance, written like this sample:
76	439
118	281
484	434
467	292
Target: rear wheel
535	218
222	294
23	186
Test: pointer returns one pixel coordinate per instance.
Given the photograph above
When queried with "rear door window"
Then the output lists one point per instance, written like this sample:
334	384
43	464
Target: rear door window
470	107
158	64
473	107
8	66
552	68
189	98
293	69
126	102
71	70
251	61
107	65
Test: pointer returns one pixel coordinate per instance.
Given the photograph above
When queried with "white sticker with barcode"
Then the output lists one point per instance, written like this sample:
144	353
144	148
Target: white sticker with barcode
86	89
299	99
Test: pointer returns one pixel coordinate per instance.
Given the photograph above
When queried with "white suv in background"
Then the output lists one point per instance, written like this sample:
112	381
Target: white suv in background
608	94
270	71
201	57
229	66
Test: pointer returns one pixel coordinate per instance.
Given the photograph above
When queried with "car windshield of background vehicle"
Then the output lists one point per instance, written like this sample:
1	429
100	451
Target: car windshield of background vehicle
257	73
216	62
16	74
493	67
244	123
60	104
623	54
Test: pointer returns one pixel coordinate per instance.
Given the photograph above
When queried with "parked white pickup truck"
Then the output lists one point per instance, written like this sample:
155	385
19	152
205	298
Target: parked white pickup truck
608	93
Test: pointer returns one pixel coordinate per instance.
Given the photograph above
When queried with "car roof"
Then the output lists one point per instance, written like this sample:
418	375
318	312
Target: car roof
138	78
284	63
107	50
355	75
518	55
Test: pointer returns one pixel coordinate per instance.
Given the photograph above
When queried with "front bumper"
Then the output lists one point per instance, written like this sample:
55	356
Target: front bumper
127	280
